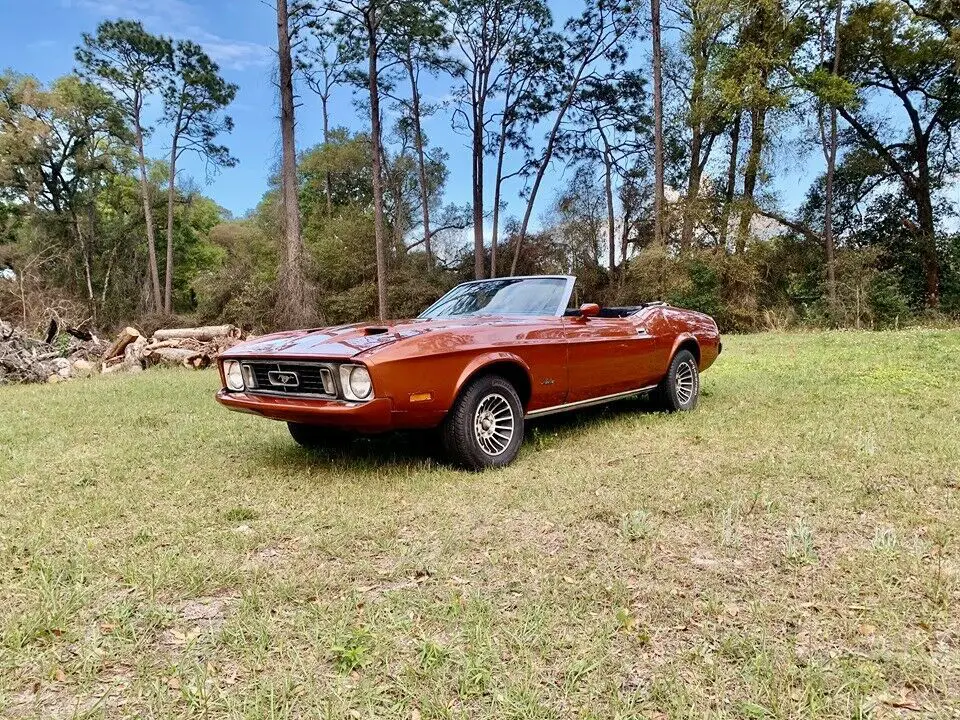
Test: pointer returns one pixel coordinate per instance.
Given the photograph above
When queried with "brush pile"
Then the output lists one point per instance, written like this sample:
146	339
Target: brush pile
64	353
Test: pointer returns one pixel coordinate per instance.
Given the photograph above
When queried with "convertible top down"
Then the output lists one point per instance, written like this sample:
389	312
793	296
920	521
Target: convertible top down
478	362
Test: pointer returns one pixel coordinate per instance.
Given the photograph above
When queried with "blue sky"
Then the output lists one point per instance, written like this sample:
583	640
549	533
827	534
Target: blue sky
38	37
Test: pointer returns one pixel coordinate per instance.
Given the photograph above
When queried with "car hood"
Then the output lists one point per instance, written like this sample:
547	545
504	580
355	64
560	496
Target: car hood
344	341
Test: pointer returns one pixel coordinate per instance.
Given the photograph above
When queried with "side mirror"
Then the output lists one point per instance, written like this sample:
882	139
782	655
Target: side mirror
589	310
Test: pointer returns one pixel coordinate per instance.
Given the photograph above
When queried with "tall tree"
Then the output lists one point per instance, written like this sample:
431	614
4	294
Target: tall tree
609	127
829	137
369	26
132	64
529	59
56	146
483	32
703	26
419	45
658	154
906	61
193	103
293	302
594	43
758	82
730	187
325	62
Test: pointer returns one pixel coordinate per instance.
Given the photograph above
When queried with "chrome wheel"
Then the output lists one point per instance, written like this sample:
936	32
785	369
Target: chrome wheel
494	424
686	382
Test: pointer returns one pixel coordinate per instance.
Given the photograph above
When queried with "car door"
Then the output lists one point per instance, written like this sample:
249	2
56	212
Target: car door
603	356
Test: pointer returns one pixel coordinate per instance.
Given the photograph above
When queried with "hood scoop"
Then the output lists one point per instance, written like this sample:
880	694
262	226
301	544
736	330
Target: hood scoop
374	330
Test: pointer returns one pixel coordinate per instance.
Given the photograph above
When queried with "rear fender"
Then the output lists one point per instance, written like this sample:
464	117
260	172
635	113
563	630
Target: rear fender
684	338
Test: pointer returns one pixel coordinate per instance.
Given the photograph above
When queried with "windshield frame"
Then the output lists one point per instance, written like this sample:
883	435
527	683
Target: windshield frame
567	292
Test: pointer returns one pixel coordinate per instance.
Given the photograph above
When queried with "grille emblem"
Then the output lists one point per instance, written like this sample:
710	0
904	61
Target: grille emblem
283	378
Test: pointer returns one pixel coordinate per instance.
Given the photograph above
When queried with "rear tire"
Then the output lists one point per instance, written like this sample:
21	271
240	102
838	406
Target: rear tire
317	437
484	428
679	390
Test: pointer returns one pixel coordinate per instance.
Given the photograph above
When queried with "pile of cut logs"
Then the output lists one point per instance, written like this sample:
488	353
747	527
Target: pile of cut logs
70	352
188	347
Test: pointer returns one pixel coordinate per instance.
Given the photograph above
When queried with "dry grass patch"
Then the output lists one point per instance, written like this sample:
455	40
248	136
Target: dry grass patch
788	550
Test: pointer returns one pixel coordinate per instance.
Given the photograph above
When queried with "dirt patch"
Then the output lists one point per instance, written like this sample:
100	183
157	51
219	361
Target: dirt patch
60	699
197	617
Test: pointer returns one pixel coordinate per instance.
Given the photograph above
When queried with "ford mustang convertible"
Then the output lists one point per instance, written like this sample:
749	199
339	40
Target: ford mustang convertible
476	364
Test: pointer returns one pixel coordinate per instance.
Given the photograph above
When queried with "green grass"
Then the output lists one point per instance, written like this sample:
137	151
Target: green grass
788	550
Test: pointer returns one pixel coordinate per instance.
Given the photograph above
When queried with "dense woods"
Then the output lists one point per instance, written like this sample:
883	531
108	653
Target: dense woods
664	126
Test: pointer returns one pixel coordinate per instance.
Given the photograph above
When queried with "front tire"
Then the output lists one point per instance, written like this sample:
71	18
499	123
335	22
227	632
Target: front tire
317	437
484	428
679	390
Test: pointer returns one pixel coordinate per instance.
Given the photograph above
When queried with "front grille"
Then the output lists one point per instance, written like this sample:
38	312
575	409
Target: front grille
290	378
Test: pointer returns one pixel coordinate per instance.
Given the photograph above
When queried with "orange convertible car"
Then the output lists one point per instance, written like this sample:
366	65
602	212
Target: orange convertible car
484	358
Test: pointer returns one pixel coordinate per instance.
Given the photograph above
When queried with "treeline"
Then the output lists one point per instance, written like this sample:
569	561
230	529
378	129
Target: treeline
669	126
92	225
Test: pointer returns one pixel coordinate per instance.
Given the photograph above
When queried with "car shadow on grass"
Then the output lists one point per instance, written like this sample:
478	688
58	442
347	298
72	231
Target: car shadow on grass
412	451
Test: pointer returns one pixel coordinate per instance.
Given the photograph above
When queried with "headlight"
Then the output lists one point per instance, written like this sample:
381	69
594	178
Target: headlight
356	382
233	374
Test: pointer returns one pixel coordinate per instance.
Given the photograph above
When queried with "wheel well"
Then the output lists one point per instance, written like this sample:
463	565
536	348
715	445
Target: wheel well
693	346
513	372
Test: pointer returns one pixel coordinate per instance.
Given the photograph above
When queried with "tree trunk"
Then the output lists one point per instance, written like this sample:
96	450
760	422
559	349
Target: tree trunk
731	179
693	190
153	270
541	171
421	157
828	240
829	245
91	245
611	218
85	252
171	196
505	123
625	222
758	118
380	231
700	56
292	292
478	195
497	190
548	151
928	232
328	180
658	162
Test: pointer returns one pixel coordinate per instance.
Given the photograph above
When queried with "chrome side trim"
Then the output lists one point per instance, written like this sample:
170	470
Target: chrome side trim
587	403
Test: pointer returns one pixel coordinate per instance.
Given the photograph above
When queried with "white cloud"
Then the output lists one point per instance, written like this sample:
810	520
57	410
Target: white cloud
166	13
232	54
180	19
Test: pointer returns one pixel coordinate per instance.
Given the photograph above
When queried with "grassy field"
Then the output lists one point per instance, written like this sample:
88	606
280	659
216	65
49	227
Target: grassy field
788	550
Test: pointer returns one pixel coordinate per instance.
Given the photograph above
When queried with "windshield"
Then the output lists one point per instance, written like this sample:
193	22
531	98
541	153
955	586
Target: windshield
510	296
